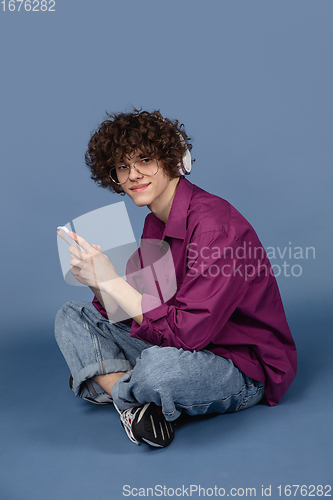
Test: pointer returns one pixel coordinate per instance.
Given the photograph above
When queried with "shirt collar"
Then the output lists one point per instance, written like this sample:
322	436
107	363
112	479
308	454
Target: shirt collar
177	221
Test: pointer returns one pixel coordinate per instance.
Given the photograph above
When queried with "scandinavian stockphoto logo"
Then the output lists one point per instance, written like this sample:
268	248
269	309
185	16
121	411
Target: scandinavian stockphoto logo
247	261
149	267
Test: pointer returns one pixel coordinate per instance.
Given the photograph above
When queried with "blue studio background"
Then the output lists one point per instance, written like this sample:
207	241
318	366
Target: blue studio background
252	82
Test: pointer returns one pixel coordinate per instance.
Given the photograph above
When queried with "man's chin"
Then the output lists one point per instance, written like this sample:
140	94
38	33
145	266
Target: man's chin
140	201
138	204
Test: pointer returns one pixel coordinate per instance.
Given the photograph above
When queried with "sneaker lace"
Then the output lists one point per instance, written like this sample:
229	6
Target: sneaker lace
126	418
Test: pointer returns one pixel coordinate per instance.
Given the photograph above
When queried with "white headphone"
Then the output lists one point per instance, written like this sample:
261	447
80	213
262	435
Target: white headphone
186	165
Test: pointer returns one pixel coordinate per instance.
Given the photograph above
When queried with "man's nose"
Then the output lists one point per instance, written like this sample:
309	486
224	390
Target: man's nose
133	174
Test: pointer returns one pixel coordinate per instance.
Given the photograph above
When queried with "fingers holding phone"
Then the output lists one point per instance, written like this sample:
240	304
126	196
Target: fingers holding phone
89	265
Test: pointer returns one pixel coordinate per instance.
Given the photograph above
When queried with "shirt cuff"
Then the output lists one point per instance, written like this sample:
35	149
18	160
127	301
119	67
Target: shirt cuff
99	307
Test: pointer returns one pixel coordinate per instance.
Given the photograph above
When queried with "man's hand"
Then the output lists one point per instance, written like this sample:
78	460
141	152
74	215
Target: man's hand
91	268
94	269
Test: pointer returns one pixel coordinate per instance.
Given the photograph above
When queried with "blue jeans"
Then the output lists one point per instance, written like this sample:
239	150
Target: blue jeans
177	380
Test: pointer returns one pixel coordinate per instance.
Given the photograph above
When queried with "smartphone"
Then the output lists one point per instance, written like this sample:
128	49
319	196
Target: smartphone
63	231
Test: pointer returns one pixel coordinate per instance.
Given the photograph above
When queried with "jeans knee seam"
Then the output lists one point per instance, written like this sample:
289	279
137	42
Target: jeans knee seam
98	352
208	403
95	342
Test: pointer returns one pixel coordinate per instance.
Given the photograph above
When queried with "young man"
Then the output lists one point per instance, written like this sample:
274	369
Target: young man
198	326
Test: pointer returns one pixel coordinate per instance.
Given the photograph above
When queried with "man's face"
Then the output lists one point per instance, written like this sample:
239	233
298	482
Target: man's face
148	190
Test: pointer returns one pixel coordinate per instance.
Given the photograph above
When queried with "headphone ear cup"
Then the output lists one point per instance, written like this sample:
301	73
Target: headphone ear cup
186	167
187	163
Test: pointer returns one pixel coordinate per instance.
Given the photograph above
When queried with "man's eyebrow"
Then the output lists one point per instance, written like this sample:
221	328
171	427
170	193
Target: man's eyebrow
124	161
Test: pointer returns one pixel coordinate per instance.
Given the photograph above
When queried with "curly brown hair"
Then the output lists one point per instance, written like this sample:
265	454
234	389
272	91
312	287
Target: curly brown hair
125	133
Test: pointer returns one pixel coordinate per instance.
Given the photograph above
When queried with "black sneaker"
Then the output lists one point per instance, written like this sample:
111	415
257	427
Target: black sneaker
146	424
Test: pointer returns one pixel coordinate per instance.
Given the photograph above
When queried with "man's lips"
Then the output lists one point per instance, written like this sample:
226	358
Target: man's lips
139	187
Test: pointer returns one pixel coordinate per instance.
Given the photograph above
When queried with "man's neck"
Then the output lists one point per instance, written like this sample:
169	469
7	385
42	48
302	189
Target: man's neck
161	206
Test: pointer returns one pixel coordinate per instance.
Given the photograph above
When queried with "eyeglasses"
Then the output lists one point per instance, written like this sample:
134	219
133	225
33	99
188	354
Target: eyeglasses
145	166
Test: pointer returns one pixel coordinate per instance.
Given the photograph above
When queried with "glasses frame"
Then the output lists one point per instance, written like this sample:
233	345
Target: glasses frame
130	165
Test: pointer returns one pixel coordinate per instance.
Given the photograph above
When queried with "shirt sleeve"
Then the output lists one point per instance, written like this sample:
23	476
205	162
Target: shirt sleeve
214	285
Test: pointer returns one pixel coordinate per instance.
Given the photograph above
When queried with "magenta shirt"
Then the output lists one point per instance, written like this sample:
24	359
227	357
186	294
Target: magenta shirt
227	300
